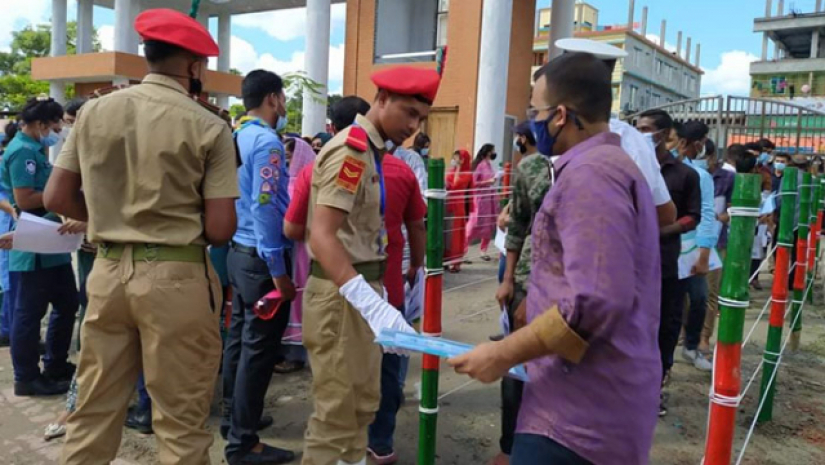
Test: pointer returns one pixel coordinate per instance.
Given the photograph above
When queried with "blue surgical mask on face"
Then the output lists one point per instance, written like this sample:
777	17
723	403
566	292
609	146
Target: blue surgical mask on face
425	152
763	158
701	163
675	153
50	139
281	124
779	166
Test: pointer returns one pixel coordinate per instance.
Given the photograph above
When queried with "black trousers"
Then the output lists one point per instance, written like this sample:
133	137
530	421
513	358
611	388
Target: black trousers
670	324
511	389
250	352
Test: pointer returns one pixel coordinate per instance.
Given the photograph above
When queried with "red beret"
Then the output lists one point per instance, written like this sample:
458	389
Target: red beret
176	28
407	80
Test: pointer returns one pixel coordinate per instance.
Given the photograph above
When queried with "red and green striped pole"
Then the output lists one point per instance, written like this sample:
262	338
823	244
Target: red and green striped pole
813	235
800	273
779	296
431	324
733	302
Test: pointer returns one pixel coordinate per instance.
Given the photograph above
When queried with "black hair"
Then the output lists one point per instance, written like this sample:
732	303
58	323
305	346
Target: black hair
257	85
710	148
74	106
735	152
421	140
692	131
784	155
345	111
42	109
746	163
11	130
660	118
485	150
156	51
767	144
755	146
524	129
580	81
289	144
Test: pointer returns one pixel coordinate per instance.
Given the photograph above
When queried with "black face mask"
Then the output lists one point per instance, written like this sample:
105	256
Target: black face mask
521	148
493	156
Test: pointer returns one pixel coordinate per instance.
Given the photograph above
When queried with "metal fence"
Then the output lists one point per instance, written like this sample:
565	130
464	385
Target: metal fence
739	120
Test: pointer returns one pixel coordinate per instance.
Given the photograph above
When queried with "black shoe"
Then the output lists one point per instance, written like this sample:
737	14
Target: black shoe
265	422
65	373
497	337
268	456
5	341
139	420
40	387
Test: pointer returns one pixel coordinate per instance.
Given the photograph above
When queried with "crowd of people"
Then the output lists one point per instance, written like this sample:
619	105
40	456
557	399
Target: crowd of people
314	241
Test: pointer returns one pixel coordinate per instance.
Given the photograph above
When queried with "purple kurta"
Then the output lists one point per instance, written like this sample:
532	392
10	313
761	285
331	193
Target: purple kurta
596	256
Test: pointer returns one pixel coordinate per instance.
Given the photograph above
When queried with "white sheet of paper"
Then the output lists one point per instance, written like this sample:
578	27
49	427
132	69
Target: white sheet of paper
35	234
690	255
501	238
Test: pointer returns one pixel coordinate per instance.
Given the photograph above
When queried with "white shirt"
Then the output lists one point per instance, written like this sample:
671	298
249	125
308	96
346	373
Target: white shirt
728	167
642	153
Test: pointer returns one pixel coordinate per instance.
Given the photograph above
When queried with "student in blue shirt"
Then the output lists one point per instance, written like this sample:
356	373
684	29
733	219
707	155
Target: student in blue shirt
7	218
258	262
42	279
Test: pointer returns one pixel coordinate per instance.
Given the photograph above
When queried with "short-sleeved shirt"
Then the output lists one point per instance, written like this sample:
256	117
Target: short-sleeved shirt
346	179
299	203
26	166
642	153
404	194
148	157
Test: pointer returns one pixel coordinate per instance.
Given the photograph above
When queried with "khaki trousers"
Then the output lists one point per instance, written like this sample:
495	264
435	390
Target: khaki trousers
714	281
346	375
158	317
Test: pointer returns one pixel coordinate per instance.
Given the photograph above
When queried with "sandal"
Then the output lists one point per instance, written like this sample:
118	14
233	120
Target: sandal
485	258
54	431
286	367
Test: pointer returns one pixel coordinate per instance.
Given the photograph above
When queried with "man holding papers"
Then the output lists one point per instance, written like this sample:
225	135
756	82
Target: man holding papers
40	279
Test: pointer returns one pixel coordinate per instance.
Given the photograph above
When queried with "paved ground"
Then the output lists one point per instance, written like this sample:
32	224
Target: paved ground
469	418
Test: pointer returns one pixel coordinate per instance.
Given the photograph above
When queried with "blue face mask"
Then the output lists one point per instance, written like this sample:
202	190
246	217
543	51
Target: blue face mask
675	153
281	124
703	164
425	152
50	139
544	140
763	158
779	166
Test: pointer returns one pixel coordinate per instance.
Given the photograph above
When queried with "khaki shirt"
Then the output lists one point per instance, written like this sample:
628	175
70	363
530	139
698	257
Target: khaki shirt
148	157
346	179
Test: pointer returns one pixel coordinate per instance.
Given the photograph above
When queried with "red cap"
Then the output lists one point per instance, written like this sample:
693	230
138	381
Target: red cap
407	80
176	28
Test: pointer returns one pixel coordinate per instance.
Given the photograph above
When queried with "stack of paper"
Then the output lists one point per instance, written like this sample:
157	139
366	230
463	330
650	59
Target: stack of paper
35	234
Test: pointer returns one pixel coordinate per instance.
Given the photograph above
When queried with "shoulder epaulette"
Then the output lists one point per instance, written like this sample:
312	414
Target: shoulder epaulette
357	139
106	91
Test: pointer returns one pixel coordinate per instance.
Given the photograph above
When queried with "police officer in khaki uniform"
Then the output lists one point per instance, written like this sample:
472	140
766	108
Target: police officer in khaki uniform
343	307
158	180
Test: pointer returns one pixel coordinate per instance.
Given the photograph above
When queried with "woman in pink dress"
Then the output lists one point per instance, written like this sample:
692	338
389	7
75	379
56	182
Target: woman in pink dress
485	206
299	154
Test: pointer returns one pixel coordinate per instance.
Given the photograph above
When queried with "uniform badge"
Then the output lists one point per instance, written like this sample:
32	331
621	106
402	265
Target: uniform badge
275	157
266	172
266	187
350	175
264	198
31	166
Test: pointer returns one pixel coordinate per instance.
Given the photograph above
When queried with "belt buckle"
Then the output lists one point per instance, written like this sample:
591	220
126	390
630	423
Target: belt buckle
151	252
103	250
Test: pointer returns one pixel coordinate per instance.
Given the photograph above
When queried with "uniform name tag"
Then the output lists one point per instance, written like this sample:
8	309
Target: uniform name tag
350	175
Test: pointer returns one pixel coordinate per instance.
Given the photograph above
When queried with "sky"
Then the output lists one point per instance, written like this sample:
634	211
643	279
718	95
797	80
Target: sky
275	40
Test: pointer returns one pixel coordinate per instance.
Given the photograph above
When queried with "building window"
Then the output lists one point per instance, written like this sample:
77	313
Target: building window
634	91
409	30
656	100
638	55
659	67
441	33
538	58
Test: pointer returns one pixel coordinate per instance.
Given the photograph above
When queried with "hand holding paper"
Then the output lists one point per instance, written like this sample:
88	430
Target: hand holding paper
38	235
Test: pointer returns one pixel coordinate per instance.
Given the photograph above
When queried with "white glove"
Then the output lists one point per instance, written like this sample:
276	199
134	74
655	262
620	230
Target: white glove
375	310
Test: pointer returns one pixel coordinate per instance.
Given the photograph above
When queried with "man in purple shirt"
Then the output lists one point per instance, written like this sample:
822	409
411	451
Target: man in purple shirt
593	297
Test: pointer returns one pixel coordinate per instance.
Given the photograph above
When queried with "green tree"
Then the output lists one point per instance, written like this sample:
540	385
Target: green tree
33	41
294	86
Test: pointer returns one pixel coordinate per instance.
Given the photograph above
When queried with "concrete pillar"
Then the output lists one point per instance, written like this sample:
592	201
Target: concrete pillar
662	34
768	4
679	43
630	14
644	22
491	100
687	50
57	90
818	7
225	58
317	65
698	53
561	24
765	46
123	25
85	26
134	38
815	44
780	8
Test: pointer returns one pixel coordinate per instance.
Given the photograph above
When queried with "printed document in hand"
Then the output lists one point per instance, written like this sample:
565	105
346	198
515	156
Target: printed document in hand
690	255
501	240
35	234
437	346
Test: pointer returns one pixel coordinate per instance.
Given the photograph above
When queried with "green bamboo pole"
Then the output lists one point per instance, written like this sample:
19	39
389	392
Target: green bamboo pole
193	10
800	274
733	302
779	296
431	325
